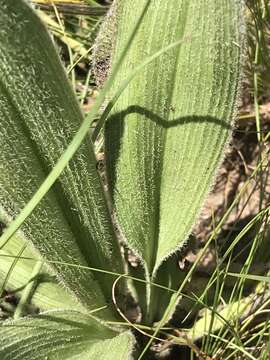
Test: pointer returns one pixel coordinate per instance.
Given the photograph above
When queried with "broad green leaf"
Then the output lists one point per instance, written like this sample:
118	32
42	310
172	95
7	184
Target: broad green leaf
47	292
63	335
166	134
39	115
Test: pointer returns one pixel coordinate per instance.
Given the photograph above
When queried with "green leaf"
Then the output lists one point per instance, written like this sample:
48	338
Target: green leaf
226	318
39	116
62	335
47	292
166	134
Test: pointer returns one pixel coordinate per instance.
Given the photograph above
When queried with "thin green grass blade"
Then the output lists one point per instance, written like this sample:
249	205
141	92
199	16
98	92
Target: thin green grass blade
167	132
62	335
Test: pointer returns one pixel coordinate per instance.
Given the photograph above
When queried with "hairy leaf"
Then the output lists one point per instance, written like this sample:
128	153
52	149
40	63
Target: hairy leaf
62	335
166	135
39	116
16	273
